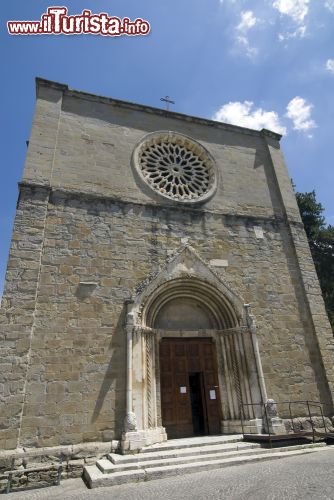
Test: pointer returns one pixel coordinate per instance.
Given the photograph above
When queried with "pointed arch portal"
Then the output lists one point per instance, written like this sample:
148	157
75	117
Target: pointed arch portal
191	355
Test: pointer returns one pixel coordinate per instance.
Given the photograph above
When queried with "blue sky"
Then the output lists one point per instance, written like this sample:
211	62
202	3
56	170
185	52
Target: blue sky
262	63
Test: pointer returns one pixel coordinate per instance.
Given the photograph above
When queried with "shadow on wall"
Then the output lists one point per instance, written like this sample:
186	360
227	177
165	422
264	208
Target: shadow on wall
113	381
307	330
263	160
288	246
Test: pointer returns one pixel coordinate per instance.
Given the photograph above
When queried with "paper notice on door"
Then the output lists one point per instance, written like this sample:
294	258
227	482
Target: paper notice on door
183	390
212	394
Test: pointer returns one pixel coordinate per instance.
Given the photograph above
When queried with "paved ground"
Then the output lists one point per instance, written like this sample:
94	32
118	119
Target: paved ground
303	477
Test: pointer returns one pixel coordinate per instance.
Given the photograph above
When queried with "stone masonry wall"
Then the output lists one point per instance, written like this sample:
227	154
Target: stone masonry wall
76	380
89	219
310	293
18	308
84	143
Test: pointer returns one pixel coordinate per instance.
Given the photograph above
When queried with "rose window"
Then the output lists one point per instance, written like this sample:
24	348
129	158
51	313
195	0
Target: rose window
176	167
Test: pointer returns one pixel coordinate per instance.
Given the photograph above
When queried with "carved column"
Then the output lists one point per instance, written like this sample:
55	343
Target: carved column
140	424
252	328
130	421
150	383
237	361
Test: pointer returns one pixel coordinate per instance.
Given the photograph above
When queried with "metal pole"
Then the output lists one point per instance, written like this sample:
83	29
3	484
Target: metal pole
60	468
9	482
242	420
309	412
268	427
291	418
323	418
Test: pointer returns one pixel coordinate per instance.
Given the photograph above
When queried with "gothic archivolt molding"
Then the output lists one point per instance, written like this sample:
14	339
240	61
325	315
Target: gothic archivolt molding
186	274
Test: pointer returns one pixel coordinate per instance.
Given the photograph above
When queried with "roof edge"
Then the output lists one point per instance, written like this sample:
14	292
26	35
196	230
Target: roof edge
151	109
42	82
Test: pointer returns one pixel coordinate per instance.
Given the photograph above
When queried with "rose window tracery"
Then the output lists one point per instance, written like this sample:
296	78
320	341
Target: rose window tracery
176	167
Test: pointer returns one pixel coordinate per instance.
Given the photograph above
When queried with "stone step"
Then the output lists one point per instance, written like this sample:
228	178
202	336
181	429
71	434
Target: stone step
106	466
95	478
147	471
171	470
174	453
174	444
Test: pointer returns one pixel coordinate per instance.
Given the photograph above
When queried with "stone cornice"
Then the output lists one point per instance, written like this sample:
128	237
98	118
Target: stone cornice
34	185
40	82
276	219
269	133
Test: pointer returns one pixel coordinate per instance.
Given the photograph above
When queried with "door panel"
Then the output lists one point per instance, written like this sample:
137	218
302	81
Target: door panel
186	408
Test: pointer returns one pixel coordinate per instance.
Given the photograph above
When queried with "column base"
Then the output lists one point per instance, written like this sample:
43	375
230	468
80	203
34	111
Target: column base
276	426
134	441
253	426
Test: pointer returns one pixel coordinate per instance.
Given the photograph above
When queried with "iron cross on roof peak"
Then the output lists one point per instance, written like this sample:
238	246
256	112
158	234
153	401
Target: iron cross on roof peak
167	100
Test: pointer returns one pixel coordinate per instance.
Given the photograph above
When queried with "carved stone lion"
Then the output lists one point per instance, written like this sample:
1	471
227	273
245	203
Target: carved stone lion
271	408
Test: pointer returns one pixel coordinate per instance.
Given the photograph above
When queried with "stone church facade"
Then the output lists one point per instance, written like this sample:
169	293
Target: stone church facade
159	276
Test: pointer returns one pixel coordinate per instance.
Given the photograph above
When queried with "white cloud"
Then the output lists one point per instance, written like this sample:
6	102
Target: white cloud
244	115
330	65
249	51
299	111
247	21
296	9
298	33
330	5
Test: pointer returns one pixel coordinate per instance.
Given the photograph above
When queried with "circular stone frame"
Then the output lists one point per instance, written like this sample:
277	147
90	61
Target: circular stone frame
176	167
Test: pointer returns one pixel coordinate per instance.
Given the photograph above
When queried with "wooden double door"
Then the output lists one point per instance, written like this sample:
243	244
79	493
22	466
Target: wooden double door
190	402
